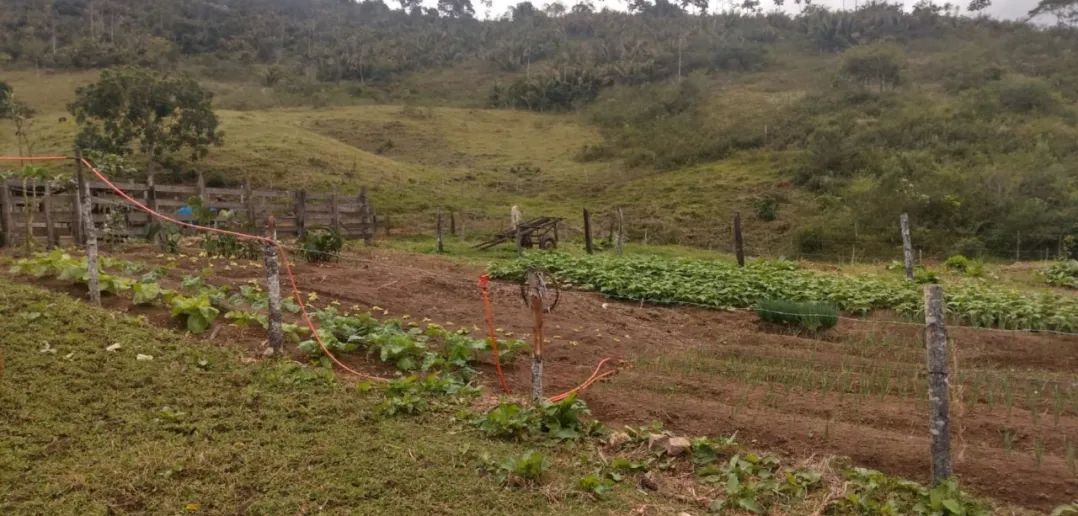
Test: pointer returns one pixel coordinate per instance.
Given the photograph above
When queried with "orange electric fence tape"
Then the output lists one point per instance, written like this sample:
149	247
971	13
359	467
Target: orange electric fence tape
281	252
490	328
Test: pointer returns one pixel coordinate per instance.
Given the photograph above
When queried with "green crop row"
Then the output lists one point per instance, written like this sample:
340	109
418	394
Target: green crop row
970	301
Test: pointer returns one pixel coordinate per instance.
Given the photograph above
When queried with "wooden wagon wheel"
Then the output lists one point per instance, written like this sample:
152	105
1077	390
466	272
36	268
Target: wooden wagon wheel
548	242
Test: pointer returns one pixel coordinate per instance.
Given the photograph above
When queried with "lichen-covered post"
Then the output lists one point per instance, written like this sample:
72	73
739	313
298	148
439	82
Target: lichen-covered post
89	232
273	287
441	247
907	245
621	232
938	384
535	299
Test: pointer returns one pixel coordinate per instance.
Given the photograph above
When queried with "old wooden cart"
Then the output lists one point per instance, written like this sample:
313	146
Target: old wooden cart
542	231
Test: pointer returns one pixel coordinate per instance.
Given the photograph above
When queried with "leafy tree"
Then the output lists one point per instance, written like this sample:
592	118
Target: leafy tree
1066	11
456	8
583	8
976	6
162	113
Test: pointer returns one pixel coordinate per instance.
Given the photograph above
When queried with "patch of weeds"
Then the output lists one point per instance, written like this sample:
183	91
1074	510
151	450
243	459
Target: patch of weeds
562	421
525	470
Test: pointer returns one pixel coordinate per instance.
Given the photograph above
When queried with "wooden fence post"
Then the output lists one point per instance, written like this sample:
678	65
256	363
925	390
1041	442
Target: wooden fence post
6	218
200	189
89	231
1018	246
301	214
739	241
273	288
907	246
249	203
441	248
76	209
938	384
50	231
535	300
27	215
621	232
587	231
452	223
335	210
368	218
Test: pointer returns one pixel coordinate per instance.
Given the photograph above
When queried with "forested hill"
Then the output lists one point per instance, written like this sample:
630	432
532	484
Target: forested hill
965	122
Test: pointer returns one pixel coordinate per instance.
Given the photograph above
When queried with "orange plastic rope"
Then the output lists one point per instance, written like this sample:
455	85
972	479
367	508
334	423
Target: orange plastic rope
281	252
595	377
490	328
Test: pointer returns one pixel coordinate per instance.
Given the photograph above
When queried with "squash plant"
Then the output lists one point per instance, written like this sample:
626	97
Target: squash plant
198	312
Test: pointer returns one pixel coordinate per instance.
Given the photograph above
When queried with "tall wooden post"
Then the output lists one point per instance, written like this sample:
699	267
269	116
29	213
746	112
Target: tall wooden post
587	231
335	210
369	217
1018	246
452	223
621	232
441	247
89	231
301	214
76	208
907	246
6	218
739	242
938	383
535	300
50	230
273	288
249	203
200	189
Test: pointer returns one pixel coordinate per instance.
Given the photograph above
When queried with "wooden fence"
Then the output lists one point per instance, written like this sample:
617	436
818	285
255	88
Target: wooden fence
54	216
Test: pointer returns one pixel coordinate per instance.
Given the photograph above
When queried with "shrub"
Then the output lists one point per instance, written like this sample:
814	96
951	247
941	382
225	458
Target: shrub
767	208
321	245
811	316
959	263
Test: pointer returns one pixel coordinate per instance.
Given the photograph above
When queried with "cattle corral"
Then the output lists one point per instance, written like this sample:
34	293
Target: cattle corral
857	390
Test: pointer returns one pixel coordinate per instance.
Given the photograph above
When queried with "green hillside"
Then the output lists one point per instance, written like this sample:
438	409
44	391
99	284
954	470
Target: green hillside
819	128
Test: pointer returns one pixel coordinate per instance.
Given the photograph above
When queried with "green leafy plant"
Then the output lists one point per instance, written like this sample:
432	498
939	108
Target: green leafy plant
1061	274
167	235
197	312
146	293
527	469
872	492
811	316
561	420
321	245
595	485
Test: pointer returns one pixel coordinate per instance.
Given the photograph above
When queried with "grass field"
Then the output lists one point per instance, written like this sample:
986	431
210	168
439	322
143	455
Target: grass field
475	162
200	429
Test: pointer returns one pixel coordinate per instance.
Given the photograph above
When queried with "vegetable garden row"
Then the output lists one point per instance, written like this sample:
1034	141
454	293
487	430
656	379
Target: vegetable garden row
970	301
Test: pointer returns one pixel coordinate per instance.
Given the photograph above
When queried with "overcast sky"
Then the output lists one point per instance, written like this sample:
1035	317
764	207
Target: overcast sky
1010	9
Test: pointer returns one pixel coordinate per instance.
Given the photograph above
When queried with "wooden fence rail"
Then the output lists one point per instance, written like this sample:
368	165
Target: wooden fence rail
54	217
